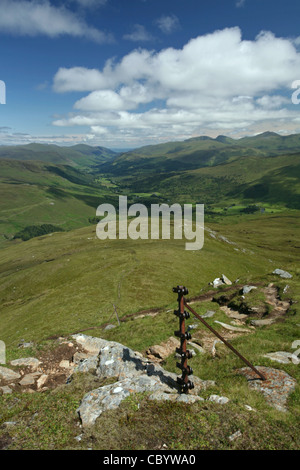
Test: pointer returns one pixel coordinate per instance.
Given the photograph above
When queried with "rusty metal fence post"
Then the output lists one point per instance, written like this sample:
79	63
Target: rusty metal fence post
184	353
183	381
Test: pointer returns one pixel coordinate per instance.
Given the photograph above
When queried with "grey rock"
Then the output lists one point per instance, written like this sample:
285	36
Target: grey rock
135	374
247	289
226	280
8	374
264	322
235	435
27	362
42	380
217	282
232	328
282	273
89	364
109	327
208	314
25	345
218	399
282	357
90	343
29	379
197	347
6	390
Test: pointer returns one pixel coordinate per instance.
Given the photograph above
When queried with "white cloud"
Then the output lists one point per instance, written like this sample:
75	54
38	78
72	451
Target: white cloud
139	34
216	81
168	24
240	3
33	18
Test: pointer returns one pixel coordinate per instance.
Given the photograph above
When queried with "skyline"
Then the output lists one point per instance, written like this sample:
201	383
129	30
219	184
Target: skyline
103	72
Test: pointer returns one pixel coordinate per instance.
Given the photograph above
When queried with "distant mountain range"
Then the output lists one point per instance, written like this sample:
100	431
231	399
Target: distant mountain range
200	152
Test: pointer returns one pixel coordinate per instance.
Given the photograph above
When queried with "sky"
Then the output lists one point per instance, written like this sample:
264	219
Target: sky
127	73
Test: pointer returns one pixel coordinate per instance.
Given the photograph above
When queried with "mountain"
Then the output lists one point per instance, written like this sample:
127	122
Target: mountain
199	152
79	155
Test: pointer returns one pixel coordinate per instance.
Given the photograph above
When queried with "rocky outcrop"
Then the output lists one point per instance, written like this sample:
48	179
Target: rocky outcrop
134	373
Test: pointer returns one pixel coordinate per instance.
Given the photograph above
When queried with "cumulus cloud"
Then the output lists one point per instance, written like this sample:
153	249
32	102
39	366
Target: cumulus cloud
216	81
40	17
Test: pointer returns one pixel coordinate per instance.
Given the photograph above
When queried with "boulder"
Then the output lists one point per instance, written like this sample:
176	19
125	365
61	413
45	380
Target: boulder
226	280
134	374
247	289
8	375
27	362
282	273
29	379
283	357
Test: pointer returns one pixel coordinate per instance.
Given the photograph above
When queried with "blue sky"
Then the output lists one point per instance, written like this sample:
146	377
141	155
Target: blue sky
125	73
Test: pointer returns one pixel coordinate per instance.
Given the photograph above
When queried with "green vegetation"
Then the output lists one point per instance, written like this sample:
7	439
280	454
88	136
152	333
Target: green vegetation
36	231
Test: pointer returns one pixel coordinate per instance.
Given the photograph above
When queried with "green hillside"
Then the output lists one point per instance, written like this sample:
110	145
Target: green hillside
77	155
199	152
35	193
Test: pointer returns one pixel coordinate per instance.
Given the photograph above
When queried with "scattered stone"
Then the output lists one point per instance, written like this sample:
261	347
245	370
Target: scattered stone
276	388
213	349
217	282
29	379
8	374
232	328
197	347
286	289
249	408
218	399
247	289
64	364
27	362
163	350
41	381
25	345
208	314
264	322
235	436
282	273
282	357
226	280
6	389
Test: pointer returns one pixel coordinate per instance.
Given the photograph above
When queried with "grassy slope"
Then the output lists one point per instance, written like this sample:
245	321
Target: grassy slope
33	193
77	155
65	282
